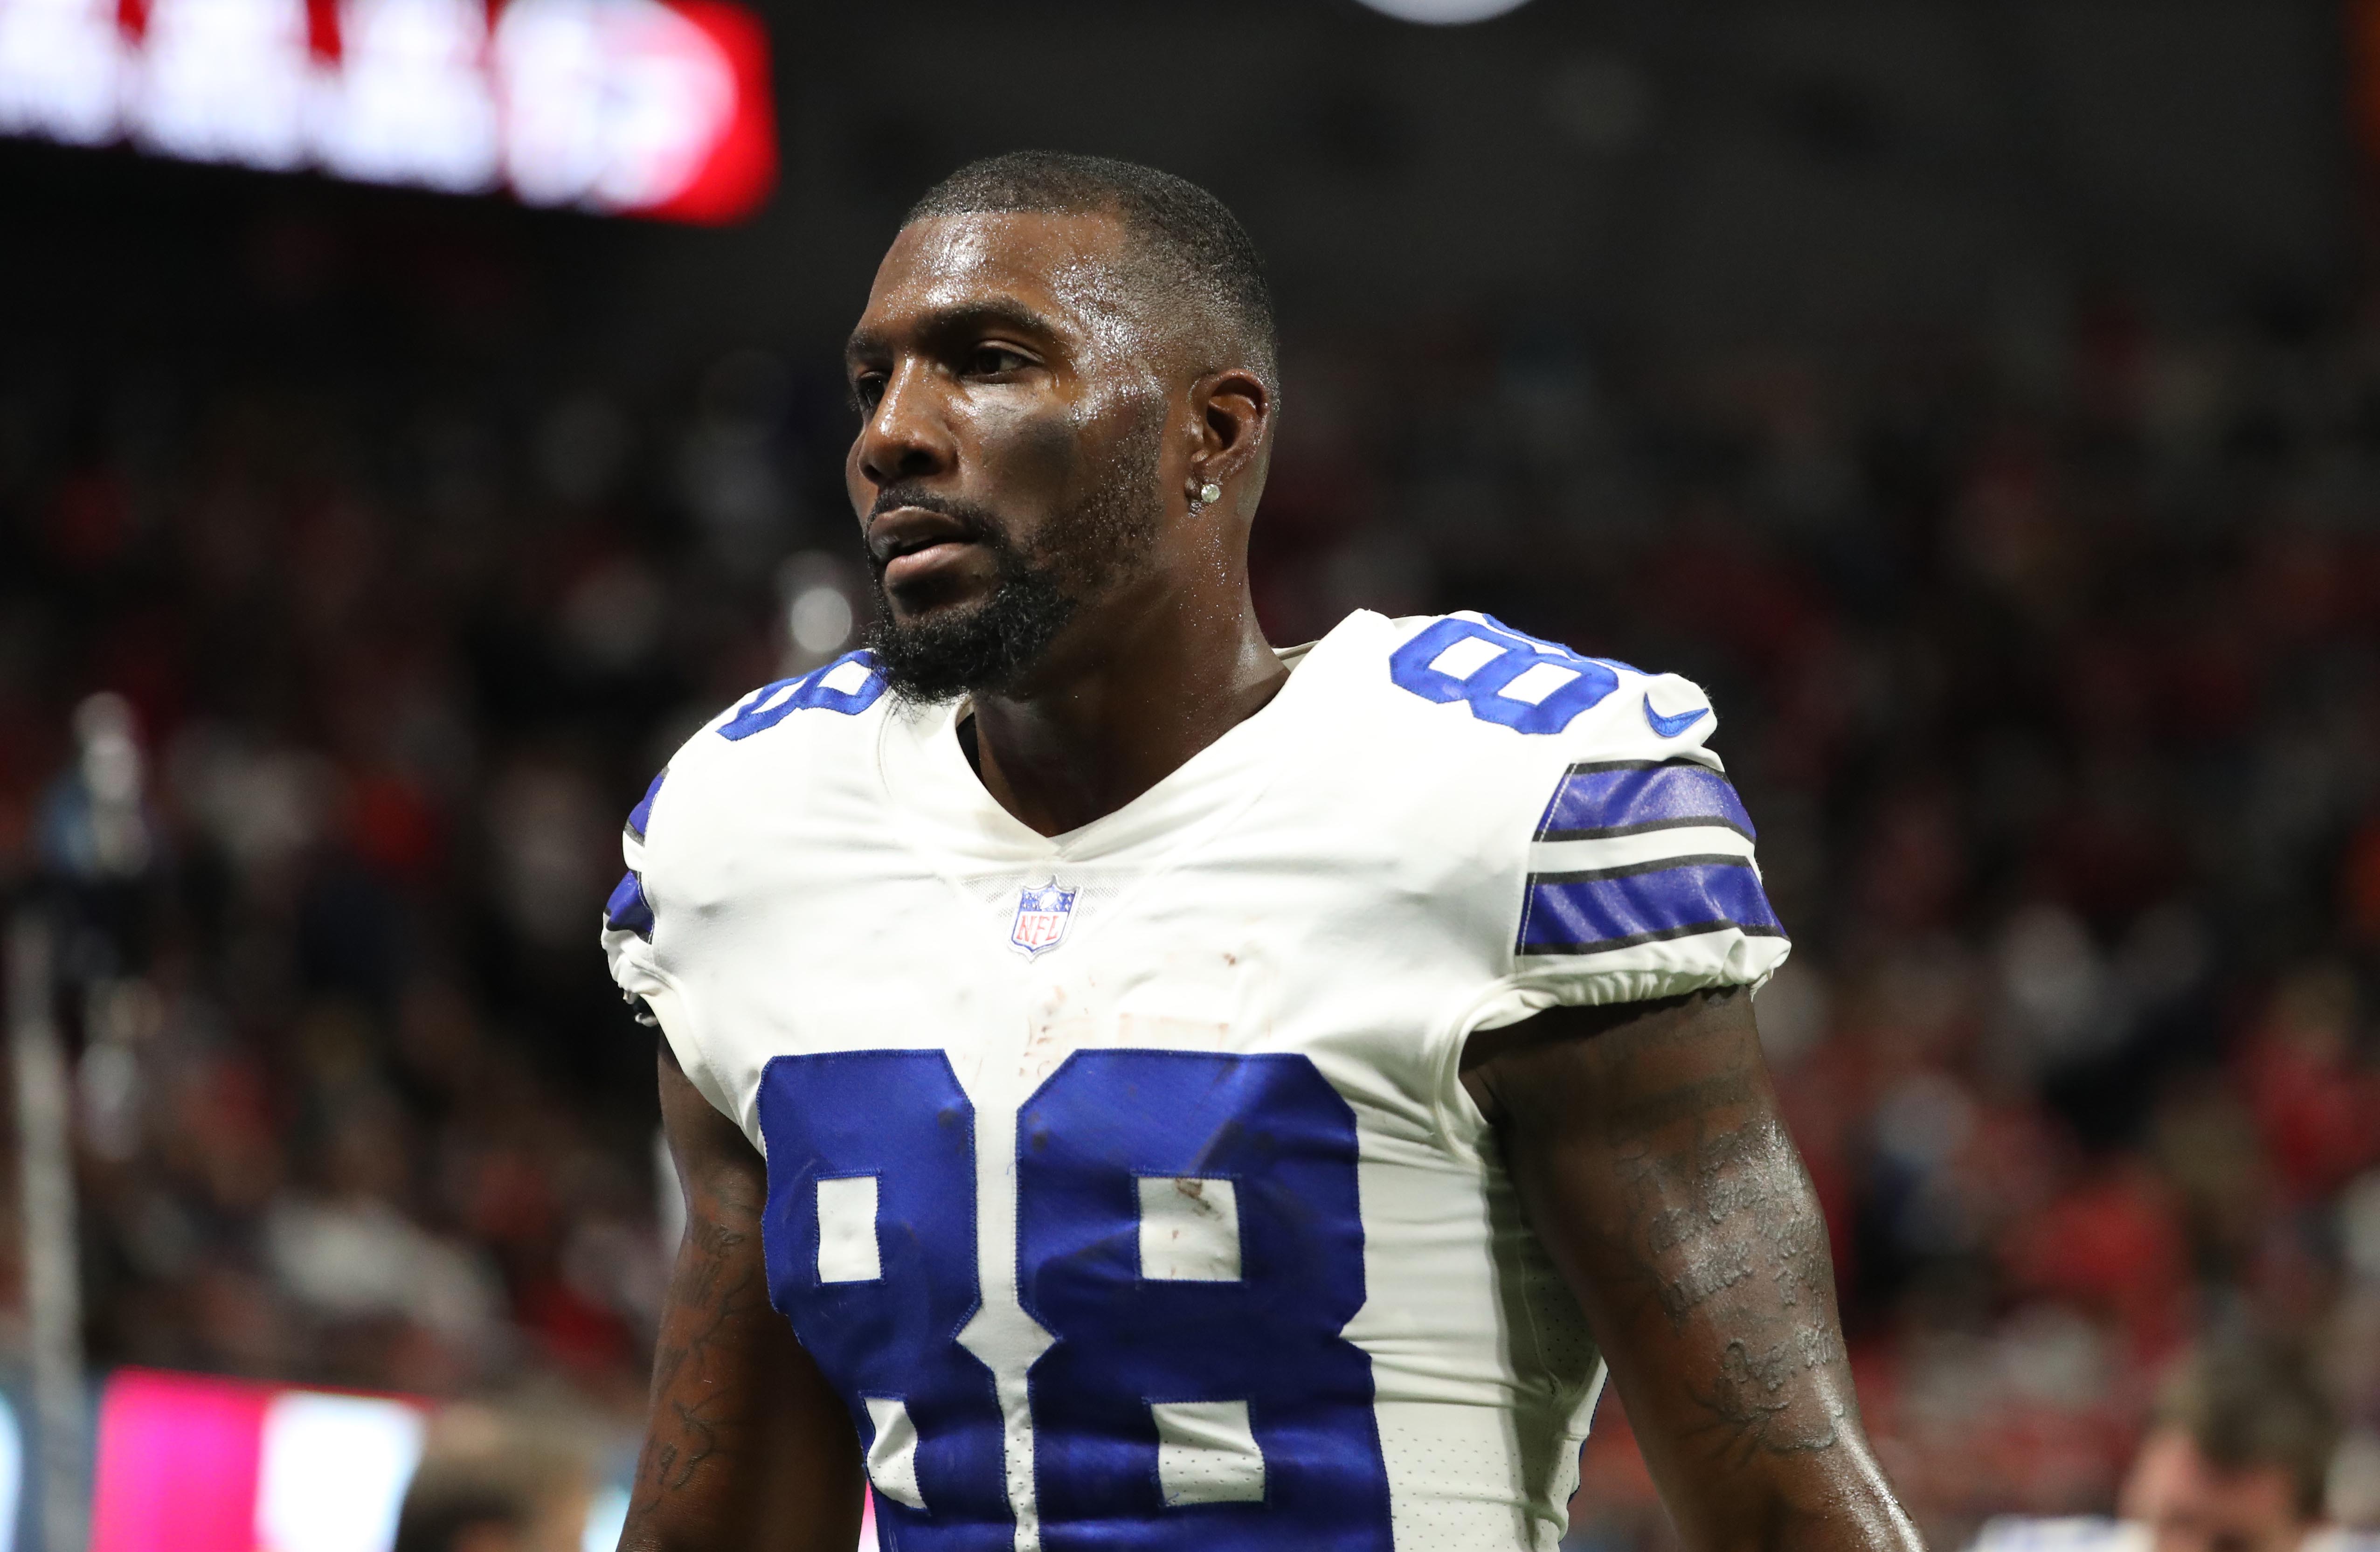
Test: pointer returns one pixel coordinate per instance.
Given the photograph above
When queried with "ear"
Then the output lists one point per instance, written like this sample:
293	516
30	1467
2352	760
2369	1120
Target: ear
1232	422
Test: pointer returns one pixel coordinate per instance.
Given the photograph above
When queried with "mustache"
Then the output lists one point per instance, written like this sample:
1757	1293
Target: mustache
982	524
977	524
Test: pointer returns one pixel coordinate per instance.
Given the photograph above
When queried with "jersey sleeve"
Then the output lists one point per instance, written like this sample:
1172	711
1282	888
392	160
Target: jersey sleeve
628	915
629	923
1641	879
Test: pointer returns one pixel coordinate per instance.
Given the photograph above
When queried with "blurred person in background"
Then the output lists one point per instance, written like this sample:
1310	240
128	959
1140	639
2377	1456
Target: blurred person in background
493	1481
2238	1458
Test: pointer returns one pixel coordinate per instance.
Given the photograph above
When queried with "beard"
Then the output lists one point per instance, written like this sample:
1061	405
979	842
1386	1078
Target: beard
994	643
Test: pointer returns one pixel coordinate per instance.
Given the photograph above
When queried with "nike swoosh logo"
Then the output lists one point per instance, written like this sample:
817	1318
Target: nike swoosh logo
1670	727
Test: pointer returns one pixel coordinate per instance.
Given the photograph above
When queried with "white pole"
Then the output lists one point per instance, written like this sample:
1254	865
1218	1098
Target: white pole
53	1268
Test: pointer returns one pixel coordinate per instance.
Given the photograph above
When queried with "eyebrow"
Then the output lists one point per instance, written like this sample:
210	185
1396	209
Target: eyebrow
962	318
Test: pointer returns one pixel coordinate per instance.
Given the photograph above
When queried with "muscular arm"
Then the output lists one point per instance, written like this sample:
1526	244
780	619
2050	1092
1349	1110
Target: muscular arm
745	1447
1646	1145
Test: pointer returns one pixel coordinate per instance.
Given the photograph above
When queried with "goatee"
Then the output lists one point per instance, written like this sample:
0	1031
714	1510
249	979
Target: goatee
985	646
993	645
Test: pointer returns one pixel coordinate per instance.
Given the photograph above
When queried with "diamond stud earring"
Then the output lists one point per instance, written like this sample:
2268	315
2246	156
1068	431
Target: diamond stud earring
1209	493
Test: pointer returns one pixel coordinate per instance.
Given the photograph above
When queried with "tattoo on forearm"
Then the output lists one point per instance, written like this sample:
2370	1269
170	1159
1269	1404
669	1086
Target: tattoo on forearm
1751	1410
1718	1229
1720	1212
713	1291
1704	1276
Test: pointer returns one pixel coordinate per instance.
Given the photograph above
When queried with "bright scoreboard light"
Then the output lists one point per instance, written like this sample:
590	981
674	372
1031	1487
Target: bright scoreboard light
650	107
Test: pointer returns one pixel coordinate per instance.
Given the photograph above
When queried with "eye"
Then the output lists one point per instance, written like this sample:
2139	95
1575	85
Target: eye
995	360
866	390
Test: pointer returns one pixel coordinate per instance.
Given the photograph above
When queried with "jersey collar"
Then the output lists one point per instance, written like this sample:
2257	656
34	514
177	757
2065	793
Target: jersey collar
937	801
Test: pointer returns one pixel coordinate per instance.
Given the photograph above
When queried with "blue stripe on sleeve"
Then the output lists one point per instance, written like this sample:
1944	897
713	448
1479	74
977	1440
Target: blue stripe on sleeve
1628	797
1589	912
627	910
642	814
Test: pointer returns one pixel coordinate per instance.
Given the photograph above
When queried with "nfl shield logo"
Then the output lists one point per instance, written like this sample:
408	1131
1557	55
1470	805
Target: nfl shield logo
1041	916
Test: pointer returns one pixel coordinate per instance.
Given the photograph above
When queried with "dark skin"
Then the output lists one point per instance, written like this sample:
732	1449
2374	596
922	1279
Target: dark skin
746	1445
998	365
1001	363
1650	1160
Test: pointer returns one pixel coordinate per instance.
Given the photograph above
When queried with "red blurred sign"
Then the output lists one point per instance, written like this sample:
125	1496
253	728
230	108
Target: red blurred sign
650	107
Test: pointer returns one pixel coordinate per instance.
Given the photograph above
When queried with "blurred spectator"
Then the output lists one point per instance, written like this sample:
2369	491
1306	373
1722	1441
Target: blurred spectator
2238	1458
497	1482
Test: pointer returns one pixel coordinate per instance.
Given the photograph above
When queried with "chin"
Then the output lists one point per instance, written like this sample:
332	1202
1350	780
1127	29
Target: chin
940	607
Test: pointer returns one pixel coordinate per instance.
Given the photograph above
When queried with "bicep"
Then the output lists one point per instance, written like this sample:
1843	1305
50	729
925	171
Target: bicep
1647	1150
746	1447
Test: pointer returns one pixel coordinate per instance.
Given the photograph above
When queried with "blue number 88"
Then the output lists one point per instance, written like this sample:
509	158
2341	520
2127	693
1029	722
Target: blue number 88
1210	1404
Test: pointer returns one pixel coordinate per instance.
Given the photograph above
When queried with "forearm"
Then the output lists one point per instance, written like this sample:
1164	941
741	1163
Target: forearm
1850	1507
703	1429
1755	1438
747	1448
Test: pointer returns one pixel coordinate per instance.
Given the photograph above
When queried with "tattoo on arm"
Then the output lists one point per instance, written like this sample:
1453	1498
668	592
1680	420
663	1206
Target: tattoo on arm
746	1443
714	1291
712	1294
1721	1232
1766	1248
1657	1169
1749	1411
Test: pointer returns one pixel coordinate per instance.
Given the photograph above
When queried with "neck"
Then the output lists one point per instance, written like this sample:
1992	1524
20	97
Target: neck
1127	700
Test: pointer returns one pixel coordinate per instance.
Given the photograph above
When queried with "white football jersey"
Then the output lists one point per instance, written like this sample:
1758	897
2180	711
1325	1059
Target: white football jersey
1123	1181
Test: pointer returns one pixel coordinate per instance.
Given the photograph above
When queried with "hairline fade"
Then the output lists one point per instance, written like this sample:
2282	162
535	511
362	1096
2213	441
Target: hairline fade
1189	240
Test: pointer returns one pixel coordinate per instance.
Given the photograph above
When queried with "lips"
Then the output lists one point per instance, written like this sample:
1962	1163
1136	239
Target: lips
909	544
913	566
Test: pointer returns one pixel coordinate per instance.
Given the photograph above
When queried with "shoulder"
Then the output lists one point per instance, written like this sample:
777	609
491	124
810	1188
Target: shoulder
741	785
1519	751
1623	857
1476	689
850	687
777	749
778	731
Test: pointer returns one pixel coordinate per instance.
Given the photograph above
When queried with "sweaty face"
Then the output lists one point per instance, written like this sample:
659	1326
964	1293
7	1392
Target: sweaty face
1006	470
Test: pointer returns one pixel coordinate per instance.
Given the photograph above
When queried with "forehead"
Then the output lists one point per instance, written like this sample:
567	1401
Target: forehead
1068	268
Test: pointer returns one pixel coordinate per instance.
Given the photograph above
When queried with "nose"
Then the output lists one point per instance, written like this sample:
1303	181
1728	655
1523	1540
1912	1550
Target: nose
908	437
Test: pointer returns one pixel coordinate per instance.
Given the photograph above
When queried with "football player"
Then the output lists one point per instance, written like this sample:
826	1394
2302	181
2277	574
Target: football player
1137	1087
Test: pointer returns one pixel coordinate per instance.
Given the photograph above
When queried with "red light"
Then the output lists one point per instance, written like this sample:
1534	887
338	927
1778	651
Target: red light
656	107
743	164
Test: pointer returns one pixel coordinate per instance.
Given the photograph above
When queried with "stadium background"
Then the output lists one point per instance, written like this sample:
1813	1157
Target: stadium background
1982	400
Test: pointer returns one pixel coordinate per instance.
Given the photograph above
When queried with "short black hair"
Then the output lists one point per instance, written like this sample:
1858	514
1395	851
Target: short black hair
1194	242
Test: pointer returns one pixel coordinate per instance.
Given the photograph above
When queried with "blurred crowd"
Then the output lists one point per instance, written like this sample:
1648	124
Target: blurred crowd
2047	657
